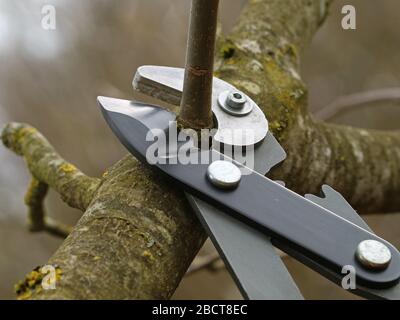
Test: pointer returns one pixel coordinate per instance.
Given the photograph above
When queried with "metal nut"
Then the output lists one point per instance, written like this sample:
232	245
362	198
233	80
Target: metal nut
373	254
235	103
224	174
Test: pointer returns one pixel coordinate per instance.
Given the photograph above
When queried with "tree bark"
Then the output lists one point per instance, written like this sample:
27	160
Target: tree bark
138	235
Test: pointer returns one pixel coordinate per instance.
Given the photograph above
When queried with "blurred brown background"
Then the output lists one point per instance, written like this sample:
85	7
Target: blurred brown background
50	79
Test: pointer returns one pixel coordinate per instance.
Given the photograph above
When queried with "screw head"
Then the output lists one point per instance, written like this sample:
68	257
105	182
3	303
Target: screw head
373	254
224	174
235	103
236	100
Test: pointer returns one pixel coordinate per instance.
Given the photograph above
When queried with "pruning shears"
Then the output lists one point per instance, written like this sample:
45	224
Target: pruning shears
247	215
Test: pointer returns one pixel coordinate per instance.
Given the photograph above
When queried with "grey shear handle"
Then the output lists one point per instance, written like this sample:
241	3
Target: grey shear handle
245	251
305	227
291	219
334	201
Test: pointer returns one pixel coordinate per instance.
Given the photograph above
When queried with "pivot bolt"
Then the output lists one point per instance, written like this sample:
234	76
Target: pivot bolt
224	174
235	103
236	100
373	255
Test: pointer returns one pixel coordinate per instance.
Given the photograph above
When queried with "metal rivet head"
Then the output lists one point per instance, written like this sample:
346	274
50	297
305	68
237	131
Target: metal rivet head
224	174
373	254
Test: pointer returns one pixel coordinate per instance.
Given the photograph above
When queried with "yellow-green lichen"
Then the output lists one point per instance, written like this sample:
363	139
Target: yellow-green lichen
275	126
21	134
148	255
67	168
14	136
277	75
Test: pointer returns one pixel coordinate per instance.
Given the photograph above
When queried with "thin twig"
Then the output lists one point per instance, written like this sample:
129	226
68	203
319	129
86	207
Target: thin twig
203	262
195	111
210	261
37	218
360	99
56	228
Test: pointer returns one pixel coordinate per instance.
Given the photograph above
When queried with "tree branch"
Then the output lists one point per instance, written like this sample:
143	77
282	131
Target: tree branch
363	165
360	99
135	226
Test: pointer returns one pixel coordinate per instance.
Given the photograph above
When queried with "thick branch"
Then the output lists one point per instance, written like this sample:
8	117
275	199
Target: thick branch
136	239
363	165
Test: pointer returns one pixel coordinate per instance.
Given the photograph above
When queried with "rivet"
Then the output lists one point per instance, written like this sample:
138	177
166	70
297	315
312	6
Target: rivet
224	174
373	254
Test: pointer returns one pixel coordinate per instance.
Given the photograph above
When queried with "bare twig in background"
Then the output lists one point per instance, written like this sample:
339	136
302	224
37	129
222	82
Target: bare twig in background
56	228
355	100
213	262
204	262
